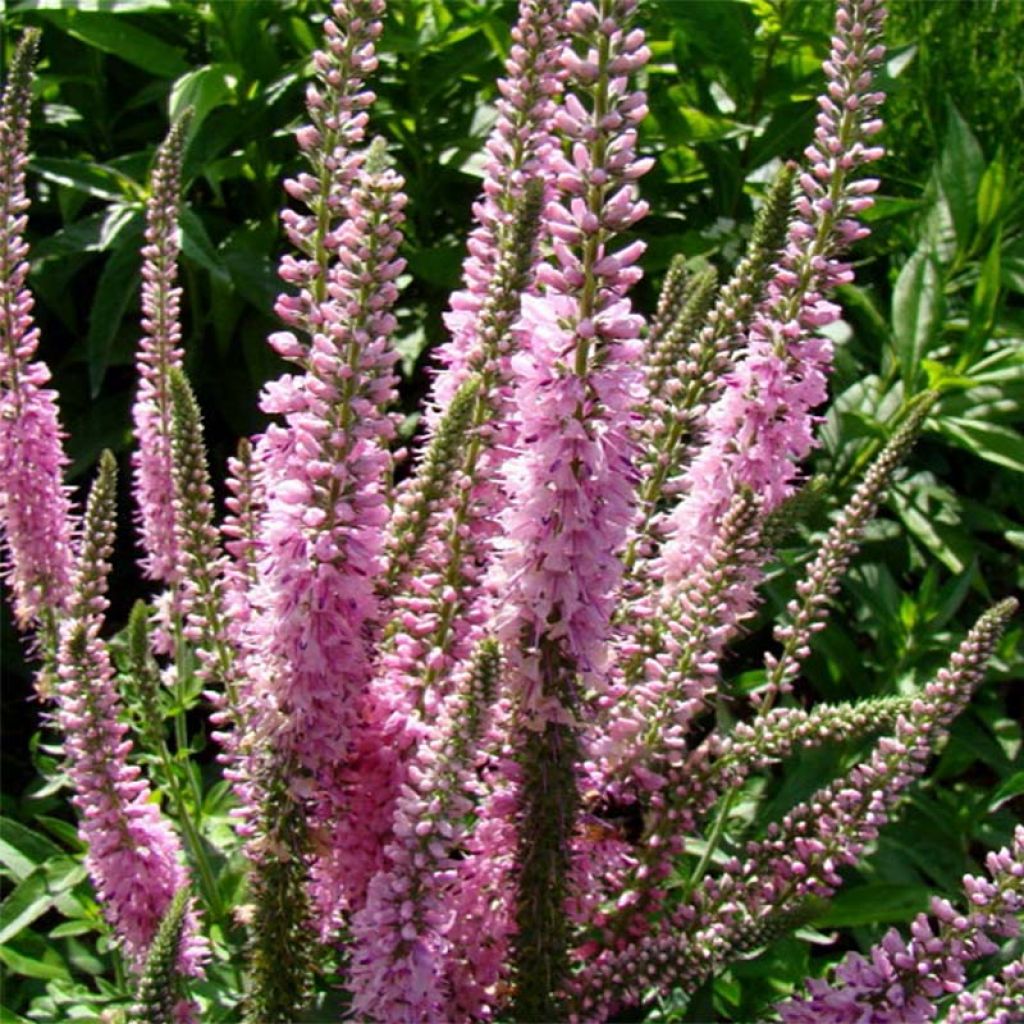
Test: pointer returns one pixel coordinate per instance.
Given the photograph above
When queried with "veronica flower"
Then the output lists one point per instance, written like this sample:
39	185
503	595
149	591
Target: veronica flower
134	857
576	378
569	485
903	979
517	150
325	471
159	352
762	425
35	511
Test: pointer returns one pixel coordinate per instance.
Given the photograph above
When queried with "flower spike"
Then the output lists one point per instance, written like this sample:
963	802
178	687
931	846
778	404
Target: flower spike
159	353
36	523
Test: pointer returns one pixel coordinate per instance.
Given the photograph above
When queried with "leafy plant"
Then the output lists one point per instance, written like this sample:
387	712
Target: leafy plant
628	812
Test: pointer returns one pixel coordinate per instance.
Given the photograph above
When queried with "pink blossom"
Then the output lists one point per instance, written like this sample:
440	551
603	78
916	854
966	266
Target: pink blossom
35	510
761	427
134	858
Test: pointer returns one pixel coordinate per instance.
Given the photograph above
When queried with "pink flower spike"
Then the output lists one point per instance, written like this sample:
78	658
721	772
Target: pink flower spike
36	522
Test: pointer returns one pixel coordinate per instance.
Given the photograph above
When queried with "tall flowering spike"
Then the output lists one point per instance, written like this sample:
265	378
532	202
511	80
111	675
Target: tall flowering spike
36	523
432	482
402	933
325	473
159	352
446	601
134	858
517	150
675	293
569	487
97	541
337	106
326	470
441	605
570	484
240	532
801	856
808	611
158	997
666	347
903	979
762	425
690	359
200	557
672	673
282	934
722	764
145	677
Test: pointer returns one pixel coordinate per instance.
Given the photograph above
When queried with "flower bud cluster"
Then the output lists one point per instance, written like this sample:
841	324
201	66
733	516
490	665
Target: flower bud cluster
808	611
997	1000
158	353
337	111
903	980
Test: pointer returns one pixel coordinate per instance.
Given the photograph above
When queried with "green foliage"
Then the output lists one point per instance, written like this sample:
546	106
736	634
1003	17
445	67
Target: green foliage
938	305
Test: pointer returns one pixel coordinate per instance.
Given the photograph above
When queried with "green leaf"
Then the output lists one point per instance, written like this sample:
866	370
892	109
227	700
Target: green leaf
10	1017
984	306
876	902
1010	788
203	89
116	290
30	899
108	6
917	307
29	967
64	830
998	444
22	850
992	193
116	35
69	928
960	169
196	246
93	179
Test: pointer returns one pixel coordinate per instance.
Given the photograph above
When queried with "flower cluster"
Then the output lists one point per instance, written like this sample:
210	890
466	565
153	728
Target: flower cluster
761	425
159	352
902	980
467	711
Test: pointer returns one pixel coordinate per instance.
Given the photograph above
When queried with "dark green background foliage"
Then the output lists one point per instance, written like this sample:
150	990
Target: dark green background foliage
732	83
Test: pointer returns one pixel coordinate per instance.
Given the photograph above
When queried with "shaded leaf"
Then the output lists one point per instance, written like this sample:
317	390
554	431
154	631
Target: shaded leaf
961	165
917	307
93	179
116	35
29	900
116	290
1010	788
22	850
991	441
876	902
